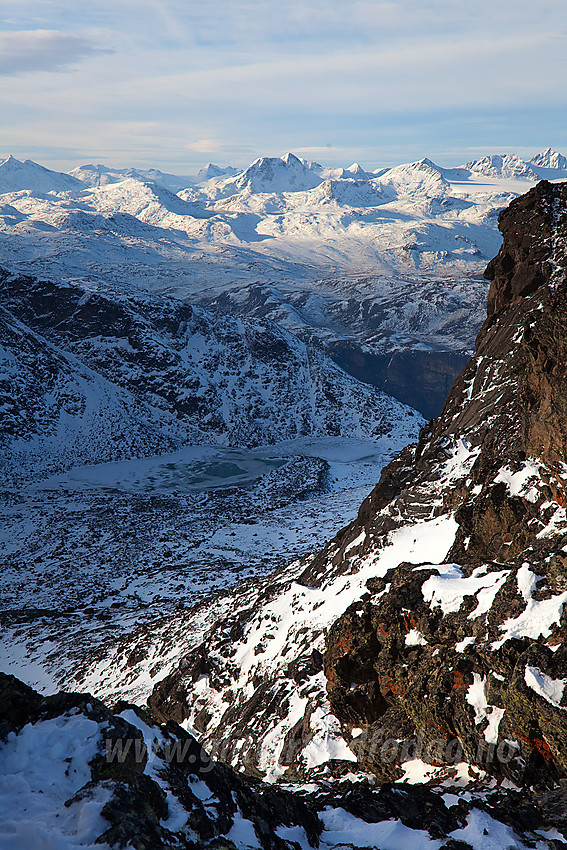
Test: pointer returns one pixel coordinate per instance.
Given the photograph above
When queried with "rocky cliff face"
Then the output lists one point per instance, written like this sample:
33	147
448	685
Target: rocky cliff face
437	616
421	379
473	649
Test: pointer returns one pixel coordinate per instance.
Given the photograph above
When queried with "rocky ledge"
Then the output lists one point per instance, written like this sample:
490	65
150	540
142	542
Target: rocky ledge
473	650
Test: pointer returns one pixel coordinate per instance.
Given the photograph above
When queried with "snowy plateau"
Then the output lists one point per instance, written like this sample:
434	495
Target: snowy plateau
201	380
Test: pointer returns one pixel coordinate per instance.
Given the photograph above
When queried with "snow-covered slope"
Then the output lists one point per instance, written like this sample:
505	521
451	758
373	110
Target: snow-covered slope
56	411
97	175
99	397
147	201
117	379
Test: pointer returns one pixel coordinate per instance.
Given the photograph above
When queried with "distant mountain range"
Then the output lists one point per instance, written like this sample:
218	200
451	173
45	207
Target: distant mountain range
369	266
273	174
282	217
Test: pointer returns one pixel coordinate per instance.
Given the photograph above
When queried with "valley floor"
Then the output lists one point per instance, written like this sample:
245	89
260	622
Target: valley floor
99	551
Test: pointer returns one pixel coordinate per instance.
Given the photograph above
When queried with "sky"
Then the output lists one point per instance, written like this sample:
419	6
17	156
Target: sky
174	84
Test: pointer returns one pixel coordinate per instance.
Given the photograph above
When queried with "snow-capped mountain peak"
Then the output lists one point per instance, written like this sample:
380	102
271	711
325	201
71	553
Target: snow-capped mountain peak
271	219
211	171
550	159
358	193
96	175
420	181
291	159
502	165
421	166
451	174
358	172
273	174
17	176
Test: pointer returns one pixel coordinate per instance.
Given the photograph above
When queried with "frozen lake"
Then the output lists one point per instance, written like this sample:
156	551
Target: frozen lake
201	468
192	469
91	555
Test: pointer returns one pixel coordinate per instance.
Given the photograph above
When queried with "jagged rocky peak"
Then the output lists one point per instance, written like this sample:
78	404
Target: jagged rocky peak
435	619
533	227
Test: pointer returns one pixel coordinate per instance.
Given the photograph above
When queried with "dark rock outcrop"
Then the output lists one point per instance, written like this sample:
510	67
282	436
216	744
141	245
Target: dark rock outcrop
506	419
421	379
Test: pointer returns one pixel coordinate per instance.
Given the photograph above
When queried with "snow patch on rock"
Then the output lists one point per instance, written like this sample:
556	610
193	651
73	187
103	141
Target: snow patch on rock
550	689
449	589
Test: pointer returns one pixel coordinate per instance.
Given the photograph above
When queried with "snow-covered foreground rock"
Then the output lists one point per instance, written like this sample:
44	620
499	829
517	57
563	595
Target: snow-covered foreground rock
436	618
74	774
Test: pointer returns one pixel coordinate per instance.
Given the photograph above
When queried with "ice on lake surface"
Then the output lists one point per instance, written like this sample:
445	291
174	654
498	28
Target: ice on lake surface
199	468
191	469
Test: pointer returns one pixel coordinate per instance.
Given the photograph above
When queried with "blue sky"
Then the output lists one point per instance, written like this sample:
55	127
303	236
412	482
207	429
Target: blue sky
176	83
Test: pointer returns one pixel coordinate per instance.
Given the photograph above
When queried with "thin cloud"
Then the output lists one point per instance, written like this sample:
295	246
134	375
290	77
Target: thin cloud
407	74
382	80
205	146
28	51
